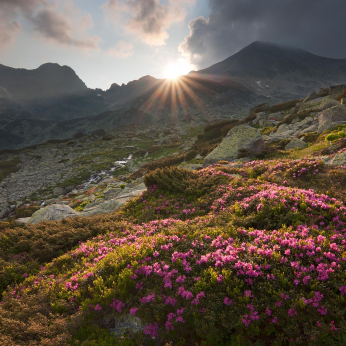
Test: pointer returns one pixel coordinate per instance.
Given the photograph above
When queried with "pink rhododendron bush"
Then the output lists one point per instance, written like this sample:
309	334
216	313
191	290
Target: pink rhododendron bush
229	255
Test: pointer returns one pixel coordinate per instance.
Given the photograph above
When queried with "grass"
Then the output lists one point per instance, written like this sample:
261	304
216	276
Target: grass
309	151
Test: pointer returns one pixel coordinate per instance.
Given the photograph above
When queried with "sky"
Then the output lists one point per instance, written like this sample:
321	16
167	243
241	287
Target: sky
116	41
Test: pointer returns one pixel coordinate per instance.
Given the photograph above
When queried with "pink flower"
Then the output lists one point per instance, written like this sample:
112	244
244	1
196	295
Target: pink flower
152	329
322	310
275	320
180	319
180	279
248	294
133	311
342	290
292	312
268	312
306	279
227	301
98	307
25	275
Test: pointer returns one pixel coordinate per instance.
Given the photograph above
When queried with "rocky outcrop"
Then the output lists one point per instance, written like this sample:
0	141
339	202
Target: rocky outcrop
52	213
311	97
240	137
114	200
331	117
339	159
296	143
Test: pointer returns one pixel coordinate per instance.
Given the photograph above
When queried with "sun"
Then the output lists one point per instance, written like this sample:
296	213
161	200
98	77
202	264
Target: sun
173	71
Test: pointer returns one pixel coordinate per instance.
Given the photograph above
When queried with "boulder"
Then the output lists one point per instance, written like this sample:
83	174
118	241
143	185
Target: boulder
311	128
335	90
331	117
52	212
327	103
311	97
295	144
282	128
240	137
313	104
109	206
339	159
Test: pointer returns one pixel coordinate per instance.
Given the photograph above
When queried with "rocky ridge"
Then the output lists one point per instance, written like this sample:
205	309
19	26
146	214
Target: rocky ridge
287	126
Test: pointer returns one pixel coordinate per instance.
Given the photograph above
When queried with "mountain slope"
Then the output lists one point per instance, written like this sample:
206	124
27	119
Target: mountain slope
47	80
268	67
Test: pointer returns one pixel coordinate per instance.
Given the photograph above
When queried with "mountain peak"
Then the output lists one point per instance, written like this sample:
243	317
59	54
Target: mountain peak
48	80
267	60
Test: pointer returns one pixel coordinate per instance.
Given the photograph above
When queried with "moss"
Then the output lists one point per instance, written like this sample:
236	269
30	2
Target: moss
266	131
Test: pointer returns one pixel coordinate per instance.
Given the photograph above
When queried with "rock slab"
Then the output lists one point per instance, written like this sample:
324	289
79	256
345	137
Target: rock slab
331	117
295	143
240	137
52	213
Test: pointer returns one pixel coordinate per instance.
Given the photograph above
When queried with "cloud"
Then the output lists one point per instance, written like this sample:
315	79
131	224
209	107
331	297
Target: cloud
8	33
315	25
148	20
121	50
59	21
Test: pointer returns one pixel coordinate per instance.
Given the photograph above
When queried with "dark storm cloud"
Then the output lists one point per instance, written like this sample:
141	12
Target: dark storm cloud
315	25
57	21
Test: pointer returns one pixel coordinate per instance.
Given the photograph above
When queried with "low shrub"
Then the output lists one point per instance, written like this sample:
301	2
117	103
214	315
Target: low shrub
25	211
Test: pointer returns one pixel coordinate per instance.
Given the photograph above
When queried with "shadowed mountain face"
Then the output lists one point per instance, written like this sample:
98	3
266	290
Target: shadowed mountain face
46	81
52	102
275	70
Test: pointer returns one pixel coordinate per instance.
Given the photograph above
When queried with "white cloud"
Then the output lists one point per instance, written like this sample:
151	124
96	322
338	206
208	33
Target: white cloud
58	21
121	50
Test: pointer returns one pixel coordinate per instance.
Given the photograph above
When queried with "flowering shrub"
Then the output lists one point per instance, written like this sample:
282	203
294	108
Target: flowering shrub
259	263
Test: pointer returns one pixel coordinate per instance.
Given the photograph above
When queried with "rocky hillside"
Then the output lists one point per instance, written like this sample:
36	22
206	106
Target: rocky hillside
53	94
295	129
245	251
278	71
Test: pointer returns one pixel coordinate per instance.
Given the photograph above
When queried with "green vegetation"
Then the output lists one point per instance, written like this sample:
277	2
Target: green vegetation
337	133
215	257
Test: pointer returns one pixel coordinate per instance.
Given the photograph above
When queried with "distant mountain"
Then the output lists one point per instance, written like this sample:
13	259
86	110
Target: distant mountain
46	81
118	95
278	71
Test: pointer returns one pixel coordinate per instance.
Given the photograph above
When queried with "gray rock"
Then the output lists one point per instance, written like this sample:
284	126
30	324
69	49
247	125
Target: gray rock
312	128
278	115
295	144
339	159
313	104
52	212
335	90
240	137
311	97
331	117
282	128
327	103
192	166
